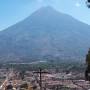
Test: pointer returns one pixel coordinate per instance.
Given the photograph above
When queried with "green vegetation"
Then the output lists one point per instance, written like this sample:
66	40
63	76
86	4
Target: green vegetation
51	64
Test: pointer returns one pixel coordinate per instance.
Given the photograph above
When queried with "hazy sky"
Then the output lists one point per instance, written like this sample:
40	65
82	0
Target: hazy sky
12	11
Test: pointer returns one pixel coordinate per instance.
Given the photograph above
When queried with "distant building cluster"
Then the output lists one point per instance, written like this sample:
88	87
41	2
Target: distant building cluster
11	80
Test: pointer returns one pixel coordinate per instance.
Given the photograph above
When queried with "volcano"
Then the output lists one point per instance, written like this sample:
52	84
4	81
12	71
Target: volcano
46	33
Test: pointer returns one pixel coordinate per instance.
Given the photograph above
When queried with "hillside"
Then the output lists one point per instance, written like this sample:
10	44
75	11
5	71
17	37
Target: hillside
46	33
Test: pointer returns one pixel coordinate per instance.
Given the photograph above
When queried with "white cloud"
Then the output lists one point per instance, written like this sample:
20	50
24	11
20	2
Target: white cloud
77	4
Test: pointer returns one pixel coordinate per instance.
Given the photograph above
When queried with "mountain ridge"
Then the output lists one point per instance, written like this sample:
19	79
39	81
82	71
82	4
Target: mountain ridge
45	33
46	8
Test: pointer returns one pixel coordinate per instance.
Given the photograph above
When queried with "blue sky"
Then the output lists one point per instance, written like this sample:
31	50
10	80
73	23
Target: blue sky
13	11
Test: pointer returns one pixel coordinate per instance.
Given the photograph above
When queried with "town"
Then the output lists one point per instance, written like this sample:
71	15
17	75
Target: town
42	80
26	76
